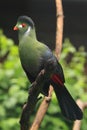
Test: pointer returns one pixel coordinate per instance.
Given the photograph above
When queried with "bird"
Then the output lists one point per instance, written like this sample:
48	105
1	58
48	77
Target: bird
35	56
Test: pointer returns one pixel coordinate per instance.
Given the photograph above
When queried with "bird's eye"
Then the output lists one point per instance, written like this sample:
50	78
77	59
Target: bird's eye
23	25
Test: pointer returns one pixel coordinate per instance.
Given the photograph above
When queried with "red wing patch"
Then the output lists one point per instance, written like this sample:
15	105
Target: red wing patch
56	79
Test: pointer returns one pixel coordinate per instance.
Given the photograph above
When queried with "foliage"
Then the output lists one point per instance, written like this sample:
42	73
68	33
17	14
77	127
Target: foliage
14	86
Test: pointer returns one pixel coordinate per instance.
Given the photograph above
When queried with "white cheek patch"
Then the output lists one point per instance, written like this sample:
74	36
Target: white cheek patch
20	26
28	31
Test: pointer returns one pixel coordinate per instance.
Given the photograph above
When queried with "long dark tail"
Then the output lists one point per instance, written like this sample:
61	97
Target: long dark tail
67	104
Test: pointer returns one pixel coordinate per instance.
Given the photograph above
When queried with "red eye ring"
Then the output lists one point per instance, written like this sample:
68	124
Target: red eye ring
23	25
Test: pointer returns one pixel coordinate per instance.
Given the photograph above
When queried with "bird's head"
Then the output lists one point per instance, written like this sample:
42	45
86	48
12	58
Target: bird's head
24	25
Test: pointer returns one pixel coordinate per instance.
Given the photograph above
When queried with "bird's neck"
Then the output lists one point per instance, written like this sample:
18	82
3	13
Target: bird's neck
31	33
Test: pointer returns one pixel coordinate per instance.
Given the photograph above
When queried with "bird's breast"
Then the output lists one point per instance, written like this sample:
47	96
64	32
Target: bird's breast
30	59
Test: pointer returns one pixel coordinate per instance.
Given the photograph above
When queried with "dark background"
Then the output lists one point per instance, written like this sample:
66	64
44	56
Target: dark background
43	13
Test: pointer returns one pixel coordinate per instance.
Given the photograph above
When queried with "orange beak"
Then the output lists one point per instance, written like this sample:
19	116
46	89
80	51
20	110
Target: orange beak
15	28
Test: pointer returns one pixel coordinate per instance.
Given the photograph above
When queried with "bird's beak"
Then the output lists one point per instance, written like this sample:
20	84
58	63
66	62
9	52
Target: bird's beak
15	28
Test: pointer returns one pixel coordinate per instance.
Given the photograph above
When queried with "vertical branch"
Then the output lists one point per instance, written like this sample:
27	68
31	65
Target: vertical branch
59	27
59	32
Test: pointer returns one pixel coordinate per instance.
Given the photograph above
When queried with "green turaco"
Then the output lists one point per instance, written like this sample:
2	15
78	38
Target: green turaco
35	56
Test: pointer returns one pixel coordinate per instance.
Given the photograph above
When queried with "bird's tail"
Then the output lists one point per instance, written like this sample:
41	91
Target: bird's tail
67	104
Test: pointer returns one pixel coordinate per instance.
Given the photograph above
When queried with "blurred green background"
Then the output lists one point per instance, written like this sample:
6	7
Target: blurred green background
14	86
